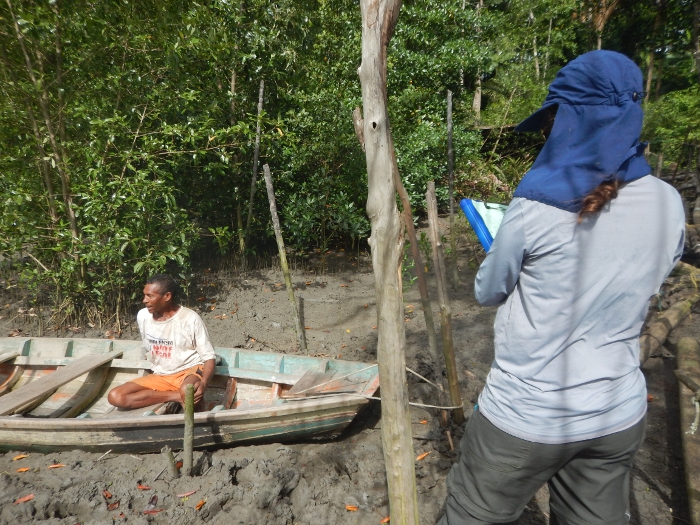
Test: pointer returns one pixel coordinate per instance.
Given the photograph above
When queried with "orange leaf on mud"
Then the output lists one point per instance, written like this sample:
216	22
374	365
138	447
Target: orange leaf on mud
23	469
424	422
374	327
385	520
186	494
200	504
24	499
57	465
179	464
423	456
366	306
351	508
307	327
121	515
650	398
21	456
201	299
114	506
143	487
153	512
107	494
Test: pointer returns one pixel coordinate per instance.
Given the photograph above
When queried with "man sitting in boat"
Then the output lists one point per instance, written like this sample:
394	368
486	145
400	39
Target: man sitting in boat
178	347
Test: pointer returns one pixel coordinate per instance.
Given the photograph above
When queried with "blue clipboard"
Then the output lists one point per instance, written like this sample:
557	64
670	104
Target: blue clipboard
485	218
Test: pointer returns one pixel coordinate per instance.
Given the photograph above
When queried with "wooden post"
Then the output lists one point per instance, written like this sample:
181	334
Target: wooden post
169	461
256	158
450	174
688	362
301	335
445	310
379	19
188	441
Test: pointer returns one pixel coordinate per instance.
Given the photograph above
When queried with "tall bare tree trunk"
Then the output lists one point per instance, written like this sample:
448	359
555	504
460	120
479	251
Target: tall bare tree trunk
379	19
546	55
601	12
256	159
476	101
450	177
696	37
652	51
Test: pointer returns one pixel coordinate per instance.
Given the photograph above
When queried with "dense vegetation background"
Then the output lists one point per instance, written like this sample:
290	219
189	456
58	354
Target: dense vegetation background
127	128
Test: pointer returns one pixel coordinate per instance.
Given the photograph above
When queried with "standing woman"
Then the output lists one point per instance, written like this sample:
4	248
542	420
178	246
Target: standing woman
588	239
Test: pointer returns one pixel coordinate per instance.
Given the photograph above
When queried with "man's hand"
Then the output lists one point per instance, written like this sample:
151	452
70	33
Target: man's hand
199	388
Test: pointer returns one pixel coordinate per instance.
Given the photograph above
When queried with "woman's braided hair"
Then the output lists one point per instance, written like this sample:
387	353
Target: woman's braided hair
596	199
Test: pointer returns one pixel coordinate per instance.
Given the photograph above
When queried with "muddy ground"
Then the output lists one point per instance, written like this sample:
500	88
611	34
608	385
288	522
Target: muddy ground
312	482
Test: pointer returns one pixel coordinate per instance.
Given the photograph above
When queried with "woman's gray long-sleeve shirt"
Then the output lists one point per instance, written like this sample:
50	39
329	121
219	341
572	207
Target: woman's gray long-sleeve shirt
574	298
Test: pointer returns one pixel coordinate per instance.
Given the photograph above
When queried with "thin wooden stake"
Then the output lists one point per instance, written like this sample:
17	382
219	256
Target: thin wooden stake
445	310
169	460
450	193
188	441
256	159
301	335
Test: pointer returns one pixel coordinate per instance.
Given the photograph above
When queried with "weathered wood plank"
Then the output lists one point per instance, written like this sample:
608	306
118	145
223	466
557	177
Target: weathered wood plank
49	383
7	356
306	385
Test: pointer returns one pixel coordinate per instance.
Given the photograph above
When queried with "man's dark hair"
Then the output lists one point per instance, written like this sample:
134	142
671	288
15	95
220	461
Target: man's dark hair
165	284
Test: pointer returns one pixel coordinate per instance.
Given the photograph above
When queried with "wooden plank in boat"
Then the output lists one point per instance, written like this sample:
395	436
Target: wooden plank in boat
49	383
7	356
306	385
70	399
239	373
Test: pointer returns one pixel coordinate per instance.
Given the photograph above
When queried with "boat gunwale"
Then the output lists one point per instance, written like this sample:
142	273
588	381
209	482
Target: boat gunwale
177	420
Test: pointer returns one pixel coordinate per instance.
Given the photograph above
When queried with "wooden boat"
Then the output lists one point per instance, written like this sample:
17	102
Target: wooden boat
53	396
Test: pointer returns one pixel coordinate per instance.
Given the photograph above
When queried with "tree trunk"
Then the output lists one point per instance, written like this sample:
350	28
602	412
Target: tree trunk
445	309
379	18
256	159
450	176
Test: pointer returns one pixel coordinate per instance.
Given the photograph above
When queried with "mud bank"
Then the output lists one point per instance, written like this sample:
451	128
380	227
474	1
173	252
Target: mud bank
315	482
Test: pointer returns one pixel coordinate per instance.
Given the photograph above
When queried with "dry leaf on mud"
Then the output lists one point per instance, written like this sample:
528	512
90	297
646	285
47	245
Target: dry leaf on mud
186	494
179	464
107	494
424	422
56	465
650	398
121	515
23	469
143	487
114	506
385	520
351	508
24	499
307	328
21	456
152	512
200	504
423	456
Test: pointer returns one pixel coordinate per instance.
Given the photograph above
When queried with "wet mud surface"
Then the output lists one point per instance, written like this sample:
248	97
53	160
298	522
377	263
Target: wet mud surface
315	482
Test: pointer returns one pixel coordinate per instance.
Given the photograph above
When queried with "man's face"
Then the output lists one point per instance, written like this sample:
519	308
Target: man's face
155	301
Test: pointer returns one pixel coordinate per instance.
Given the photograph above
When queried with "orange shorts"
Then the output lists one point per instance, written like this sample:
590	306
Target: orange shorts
170	382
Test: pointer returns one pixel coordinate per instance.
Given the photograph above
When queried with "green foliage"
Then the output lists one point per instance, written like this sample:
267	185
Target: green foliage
130	135
674	121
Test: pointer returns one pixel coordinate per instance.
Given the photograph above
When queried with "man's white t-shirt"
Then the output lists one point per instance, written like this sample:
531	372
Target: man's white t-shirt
176	344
